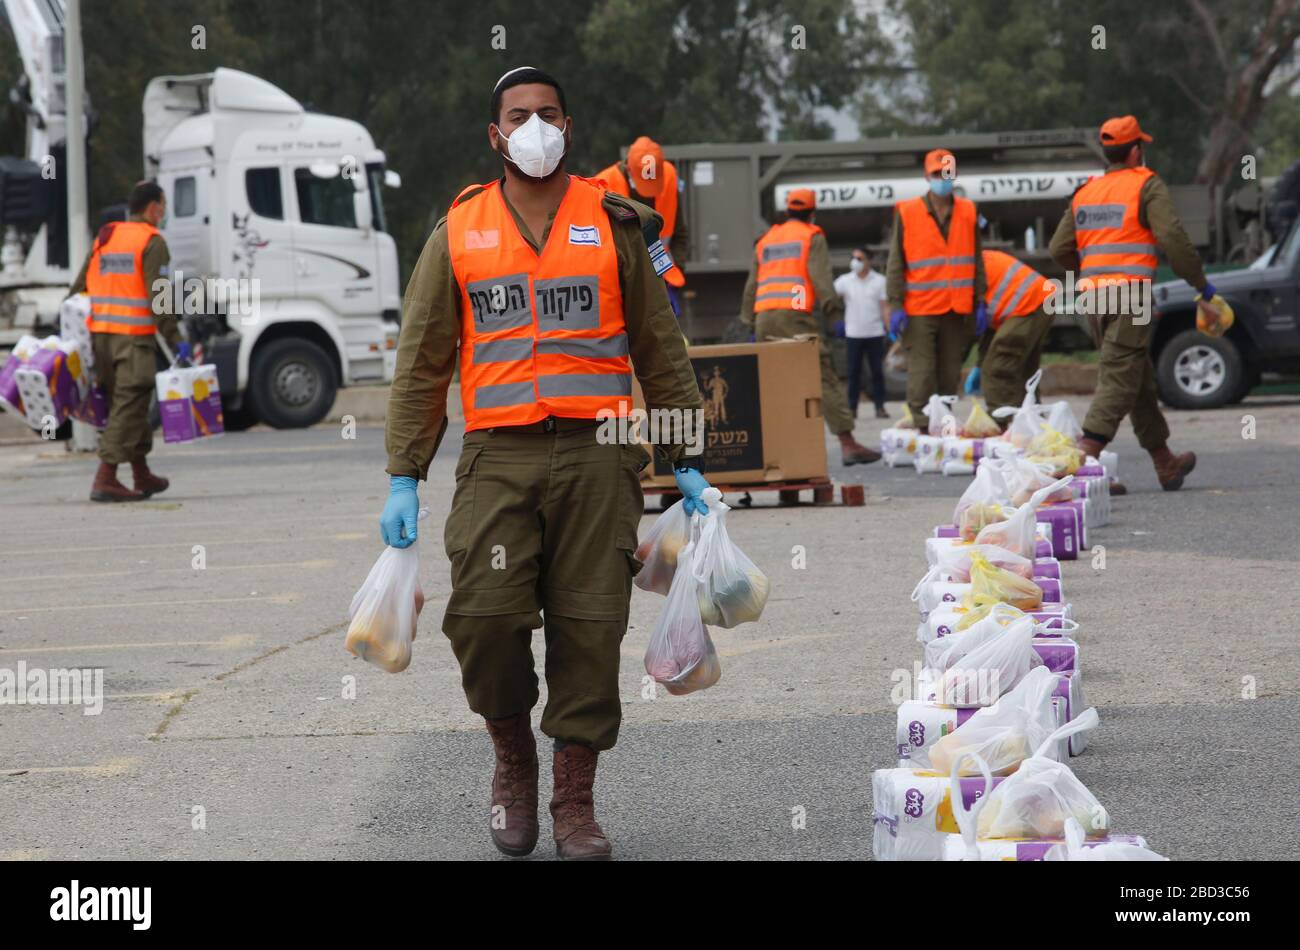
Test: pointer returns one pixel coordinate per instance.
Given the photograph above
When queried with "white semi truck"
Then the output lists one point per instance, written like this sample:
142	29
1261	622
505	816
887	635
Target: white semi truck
280	255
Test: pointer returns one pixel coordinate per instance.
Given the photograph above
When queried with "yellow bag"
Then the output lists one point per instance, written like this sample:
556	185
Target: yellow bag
979	424
990	584
1054	448
1214	317
907	422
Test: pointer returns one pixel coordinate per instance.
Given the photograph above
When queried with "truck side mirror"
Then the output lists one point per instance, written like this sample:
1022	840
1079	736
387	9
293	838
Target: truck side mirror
392	179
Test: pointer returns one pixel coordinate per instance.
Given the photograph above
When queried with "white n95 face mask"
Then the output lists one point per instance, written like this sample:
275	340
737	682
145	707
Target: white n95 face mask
536	147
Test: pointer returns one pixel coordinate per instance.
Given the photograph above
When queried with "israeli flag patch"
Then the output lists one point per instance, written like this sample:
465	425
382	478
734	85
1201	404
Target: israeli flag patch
589	235
660	258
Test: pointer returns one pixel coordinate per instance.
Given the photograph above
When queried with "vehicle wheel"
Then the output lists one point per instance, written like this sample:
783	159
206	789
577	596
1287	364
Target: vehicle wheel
238	420
1195	371
1250	380
292	384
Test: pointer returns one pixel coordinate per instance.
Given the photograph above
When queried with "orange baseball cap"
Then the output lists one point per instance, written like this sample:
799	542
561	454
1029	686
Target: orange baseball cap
801	199
1121	130
646	176
934	160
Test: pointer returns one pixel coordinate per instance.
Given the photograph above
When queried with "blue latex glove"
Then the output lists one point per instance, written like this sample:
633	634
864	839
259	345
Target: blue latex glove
897	324
183	351
981	319
1208	293
400	512
839	329
973	382
691	484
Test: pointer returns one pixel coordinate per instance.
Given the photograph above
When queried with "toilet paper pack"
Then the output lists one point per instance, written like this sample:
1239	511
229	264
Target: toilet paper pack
912	812
1062	523
1059	654
898	446
920	725
1047	567
929	454
74	314
1069	701
189	402
1023	849
23	350
52	382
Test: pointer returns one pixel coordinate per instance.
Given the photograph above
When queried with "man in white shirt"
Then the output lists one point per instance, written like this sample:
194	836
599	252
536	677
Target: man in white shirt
865	304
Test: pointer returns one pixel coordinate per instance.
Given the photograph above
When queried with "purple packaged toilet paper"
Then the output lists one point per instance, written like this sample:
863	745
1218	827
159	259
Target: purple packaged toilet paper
1051	588
1059	654
1047	567
1063	523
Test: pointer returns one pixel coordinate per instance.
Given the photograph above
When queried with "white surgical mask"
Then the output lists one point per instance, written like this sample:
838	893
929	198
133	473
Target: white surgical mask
536	147
856	265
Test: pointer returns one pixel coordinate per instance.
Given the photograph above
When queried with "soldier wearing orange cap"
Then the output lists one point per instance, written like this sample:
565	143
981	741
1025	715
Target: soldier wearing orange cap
646	176
790	292
935	282
1109	236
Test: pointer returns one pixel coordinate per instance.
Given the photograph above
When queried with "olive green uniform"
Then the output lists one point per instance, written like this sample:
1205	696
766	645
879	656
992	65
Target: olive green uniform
1126	377
544	518
936	344
784	324
1010	354
125	366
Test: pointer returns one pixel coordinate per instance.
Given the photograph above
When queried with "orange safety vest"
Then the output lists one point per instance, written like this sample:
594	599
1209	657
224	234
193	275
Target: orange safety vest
1014	288
666	205
940	273
783	280
540	335
119	300
1114	247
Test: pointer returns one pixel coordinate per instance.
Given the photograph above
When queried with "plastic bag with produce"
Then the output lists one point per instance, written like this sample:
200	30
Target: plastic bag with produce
386	608
1214	317
659	549
1078	848
984	663
938	413
1019	533
1054	453
1027	421
987	492
990	583
1061	418
949	649
680	654
1006	733
732	589
1025	477
979	424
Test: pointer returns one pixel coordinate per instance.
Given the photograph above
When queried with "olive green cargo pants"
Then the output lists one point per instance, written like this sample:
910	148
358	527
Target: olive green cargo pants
1126	381
125	367
936	347
1010	356
784	324
542	532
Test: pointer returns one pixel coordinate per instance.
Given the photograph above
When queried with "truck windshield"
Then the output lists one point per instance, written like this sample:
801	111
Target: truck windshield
375	174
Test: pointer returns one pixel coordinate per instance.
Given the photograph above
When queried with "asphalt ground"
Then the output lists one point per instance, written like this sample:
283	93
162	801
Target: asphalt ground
225	731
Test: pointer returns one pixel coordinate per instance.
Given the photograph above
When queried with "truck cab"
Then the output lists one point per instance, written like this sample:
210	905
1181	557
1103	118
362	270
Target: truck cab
280	259
1195	371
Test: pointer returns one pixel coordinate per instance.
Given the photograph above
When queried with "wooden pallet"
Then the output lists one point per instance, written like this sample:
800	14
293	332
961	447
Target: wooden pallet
823	492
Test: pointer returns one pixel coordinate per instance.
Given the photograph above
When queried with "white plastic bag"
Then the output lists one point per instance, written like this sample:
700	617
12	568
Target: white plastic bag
987	494
938	412
659	550
1077	848
1036	800
1018	533
1024	477
1061	418
977	671
386	608
732	589
1006	733
680	654
1027	421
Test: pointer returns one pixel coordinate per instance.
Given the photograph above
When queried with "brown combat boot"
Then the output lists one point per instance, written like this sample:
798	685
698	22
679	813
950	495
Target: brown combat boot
1171	469
514	785
573	811
146	482
854	453
1093	447
106	487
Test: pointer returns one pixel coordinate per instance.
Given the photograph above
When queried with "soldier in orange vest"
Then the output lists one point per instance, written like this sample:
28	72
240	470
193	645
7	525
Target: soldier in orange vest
649	178
935	283
539	287
790	292
1012	347
125	276
1109	236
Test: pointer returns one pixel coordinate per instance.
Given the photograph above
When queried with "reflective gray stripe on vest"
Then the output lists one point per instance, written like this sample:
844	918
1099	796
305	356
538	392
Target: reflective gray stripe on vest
117	263
1119	270
963	282
1014	269
776	295
780	280
585	384
782	252
1096	217
504	394
608	347
1026	282
961	261
122	301
500	302
116	318
1149	249
928	285
502	351
939	262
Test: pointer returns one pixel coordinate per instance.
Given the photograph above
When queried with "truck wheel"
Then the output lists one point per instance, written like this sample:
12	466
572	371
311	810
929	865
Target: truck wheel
1195	371
292	383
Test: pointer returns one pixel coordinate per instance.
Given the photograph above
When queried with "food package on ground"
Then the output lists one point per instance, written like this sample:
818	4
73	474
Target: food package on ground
979	516
1058	654
1018	533
386	609
1092	484
940	622
954	562
960	456
1060	417
189	403
1031	849
1062	521
920	724
999	449
935	593
929	454
1055	452
1026	421
658	551
978	665
1047	567
939	418
680	654
979	424
945	531
1069	701
1050	587
1078	847
993	584
1003	734
23	351
912	812
989	492
732	590
898	446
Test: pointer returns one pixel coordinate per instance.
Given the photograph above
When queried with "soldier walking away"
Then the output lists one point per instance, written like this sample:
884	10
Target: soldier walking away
125	276
539	287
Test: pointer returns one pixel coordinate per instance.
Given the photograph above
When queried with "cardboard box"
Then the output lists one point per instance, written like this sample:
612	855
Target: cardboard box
762	413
